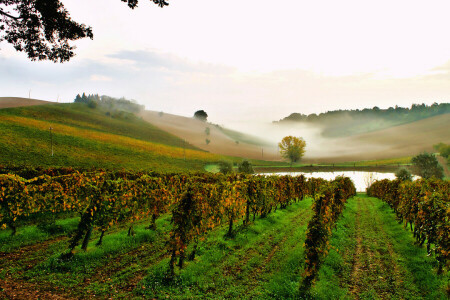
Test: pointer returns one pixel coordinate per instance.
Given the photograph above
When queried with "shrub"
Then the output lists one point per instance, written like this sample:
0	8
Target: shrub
225	167
403	174
246	167
428	166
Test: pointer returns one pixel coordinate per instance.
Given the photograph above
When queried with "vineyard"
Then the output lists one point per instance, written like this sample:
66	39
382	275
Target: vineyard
125	234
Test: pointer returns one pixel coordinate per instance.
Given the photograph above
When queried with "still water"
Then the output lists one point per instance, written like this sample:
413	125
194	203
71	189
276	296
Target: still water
361	179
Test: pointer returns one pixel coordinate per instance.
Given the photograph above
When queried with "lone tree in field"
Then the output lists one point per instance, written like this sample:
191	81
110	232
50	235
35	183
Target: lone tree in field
43	28
428	166
201	115
292	148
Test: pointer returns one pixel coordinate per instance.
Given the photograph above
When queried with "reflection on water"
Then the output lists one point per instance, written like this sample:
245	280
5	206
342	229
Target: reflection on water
361	179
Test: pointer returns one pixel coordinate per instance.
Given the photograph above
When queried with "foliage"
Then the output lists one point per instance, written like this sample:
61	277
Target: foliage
443	149
111	104
348	122
207	130
207	141
427	165
403	174
245	167
225	167
201	115
43	28
328	205
292	148
425	205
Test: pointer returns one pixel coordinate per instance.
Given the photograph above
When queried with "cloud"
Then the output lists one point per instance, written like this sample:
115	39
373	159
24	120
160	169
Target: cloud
157	60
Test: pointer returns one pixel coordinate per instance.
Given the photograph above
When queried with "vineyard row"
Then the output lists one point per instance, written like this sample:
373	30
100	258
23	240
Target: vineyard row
425	206
197	203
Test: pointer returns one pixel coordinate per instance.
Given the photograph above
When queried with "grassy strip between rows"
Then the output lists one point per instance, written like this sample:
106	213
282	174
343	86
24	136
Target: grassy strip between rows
254	264
262	261
374	257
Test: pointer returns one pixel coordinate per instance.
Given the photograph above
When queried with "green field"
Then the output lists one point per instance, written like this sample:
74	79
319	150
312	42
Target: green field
372	257
86	137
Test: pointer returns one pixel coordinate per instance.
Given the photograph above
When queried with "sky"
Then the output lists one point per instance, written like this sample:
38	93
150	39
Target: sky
252	60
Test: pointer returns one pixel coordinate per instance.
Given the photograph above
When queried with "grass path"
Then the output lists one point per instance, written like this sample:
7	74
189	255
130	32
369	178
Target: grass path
374	257
245	267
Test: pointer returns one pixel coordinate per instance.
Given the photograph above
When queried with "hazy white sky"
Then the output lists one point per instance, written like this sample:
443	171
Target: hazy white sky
256	59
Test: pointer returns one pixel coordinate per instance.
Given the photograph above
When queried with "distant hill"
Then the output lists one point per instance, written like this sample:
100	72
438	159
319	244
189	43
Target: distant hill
341	123
221	140
397	141
91	137
6	102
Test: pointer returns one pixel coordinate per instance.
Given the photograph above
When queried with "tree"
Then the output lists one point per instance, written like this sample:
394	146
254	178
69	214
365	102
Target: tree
225	167
78	99
43	28
245	167
428	166
201	115
403	174
443	149
292	148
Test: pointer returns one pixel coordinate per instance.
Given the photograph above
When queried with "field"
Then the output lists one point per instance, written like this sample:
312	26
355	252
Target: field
286	230
392	145
7	102
222	141
253	237
84	137
394	142
372	257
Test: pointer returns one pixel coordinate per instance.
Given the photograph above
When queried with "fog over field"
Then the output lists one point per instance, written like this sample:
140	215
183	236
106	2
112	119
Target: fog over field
310	57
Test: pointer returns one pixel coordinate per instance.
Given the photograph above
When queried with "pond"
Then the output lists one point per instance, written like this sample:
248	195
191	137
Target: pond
361	179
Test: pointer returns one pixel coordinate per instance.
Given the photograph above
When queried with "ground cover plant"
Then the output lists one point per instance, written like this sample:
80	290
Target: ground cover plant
126	234
86	137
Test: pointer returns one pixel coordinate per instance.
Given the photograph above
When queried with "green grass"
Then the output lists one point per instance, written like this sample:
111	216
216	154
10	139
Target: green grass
380	162
373	256
79	115
246	266
31	234
85	137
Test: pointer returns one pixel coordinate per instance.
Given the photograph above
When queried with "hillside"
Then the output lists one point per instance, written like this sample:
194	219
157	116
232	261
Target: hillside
6	102
398	141
222	141
87	137
340	123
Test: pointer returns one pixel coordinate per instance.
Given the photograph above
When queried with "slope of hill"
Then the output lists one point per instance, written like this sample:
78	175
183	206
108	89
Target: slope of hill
221	141
398	141
6	102
340	123
87	137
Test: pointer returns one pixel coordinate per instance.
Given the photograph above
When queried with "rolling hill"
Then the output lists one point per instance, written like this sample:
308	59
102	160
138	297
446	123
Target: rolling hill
222	141
397	141
87	137
95	137
7	102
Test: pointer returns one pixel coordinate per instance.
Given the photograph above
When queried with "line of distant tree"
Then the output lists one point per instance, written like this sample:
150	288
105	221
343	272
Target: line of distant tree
349	122
416	112
109	103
